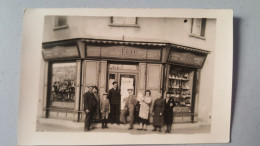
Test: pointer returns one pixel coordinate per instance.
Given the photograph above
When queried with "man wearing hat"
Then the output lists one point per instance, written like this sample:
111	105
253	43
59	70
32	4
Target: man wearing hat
130	104
114	97
90	104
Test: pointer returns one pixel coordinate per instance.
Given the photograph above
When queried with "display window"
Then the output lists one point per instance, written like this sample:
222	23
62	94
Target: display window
181	87
63	78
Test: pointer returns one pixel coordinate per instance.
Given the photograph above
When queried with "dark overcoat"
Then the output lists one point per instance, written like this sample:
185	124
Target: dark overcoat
90	102
168	110
114	96
97	113
158	108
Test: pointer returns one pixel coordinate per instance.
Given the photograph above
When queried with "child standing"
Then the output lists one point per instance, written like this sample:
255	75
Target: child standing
105	109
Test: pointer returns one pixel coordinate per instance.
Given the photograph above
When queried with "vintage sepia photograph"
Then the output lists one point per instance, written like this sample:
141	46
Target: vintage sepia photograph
121	74
127	74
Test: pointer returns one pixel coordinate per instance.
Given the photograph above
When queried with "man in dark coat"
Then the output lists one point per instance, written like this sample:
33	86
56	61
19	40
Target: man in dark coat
114	97
169	104
90	105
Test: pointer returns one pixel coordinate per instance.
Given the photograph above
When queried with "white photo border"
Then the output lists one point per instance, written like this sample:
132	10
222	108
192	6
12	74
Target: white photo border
31	66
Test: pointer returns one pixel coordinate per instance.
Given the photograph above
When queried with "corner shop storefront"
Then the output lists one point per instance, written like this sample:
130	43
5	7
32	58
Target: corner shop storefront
72	65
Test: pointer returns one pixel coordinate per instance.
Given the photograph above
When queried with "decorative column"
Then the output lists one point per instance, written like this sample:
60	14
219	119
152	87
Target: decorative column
142	77
77	91
45	89
102	77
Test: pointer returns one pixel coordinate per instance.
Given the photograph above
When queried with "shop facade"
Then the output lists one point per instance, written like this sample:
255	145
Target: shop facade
71	65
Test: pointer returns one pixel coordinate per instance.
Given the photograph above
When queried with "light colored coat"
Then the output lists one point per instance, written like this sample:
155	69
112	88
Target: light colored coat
145	107
131	102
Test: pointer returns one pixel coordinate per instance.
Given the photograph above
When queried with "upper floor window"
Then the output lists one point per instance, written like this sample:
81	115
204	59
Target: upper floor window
124	21
198	27
60	22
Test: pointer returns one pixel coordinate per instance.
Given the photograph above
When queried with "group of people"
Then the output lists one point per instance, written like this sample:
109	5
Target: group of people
108	107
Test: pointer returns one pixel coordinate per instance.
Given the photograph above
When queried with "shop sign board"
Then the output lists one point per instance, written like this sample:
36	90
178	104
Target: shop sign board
124	52
187	58
61	52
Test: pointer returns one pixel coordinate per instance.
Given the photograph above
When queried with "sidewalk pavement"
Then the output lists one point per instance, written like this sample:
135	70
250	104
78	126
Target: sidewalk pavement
60	125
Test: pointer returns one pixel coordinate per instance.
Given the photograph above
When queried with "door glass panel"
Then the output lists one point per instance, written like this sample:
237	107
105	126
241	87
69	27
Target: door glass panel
126	82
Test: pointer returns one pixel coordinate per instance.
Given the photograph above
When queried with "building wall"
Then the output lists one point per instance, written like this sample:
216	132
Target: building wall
150	30
206	78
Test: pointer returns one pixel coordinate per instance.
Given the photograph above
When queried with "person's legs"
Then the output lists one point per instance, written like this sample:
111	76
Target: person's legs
154	128
102	120
103	123
106	116
145	127
90	118
117	114
170	128
160	128
112	113
87	121
140	126
131	117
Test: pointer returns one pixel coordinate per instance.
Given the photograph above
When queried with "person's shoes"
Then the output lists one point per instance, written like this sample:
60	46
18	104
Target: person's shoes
166	131
145	130
106	127
139	129
160	130
154	130
93	128
118	123
87	130
130	128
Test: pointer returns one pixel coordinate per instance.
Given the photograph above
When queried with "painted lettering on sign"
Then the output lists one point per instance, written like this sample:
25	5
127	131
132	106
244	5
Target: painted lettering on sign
124	52
187	58
60	52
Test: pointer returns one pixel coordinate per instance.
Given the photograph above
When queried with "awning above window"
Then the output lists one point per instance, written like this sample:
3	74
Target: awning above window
116	42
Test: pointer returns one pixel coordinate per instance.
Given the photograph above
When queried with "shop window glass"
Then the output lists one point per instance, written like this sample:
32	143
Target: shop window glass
198	27
63	85
180	86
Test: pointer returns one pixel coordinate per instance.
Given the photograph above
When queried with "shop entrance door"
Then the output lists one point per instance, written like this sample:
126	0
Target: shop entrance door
126	76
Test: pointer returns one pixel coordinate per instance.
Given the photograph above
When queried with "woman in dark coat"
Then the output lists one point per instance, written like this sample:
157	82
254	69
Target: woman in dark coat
169	104
96	116
158	113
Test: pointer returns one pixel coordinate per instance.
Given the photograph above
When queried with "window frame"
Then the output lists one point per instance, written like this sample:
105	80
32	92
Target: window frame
56	23
202	30
123	24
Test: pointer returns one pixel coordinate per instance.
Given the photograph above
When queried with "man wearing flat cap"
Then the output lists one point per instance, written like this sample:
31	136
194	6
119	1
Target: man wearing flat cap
90	105
131	102
114	97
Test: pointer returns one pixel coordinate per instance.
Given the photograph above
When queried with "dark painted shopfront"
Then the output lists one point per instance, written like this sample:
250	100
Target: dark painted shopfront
72	65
